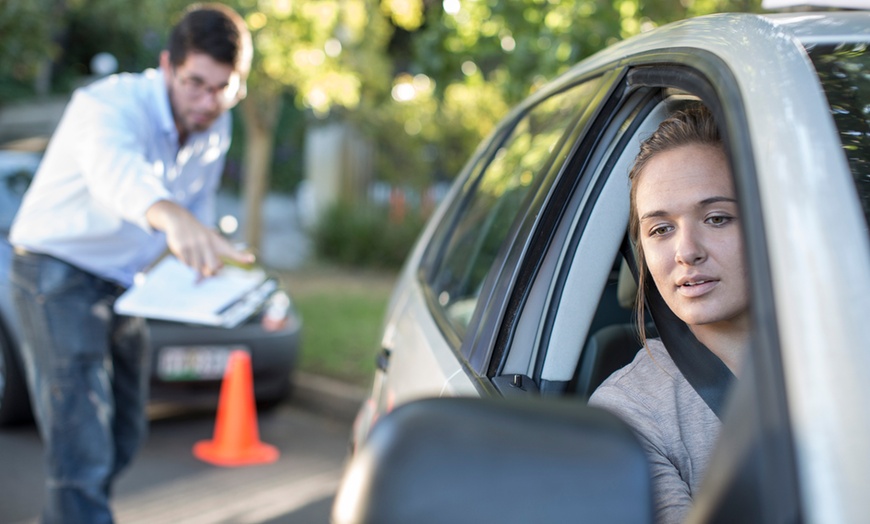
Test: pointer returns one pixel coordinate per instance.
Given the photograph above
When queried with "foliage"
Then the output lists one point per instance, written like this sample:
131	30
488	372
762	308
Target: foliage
329	52
287	161
53	41
520	44
365	236
425	80
421	139
461	65
341	329
25	43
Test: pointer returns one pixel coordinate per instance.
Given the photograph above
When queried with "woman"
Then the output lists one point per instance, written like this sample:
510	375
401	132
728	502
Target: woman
685	224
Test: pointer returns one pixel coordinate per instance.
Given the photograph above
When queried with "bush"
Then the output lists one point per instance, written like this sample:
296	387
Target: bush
365	236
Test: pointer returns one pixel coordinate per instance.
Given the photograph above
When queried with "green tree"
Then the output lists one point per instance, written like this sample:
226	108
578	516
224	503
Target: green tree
329	53
425	80
483	56
46	45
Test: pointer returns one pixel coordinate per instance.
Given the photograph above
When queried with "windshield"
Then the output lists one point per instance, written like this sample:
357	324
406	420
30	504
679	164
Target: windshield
844	70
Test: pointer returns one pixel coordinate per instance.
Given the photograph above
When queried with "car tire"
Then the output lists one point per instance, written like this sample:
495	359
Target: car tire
14	399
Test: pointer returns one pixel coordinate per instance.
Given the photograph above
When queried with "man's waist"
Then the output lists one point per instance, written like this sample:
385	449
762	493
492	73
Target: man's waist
29	252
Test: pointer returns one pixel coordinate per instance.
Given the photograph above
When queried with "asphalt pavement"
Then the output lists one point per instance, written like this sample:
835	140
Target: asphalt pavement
167	484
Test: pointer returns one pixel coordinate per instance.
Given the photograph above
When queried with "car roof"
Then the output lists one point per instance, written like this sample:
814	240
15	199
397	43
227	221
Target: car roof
743	40
724	31
809	28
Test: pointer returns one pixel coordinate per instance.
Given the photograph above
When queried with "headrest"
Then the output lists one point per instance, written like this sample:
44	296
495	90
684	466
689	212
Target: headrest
626	286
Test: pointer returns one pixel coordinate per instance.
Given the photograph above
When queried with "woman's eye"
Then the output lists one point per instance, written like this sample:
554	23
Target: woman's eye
718	220
659	231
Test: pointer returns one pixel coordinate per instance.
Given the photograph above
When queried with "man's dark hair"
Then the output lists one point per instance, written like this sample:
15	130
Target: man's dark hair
212	29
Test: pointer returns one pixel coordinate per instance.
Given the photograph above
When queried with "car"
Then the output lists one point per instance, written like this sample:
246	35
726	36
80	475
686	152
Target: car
188	360
512	301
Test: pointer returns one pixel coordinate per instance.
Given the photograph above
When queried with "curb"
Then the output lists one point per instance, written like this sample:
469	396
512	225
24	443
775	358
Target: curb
327	396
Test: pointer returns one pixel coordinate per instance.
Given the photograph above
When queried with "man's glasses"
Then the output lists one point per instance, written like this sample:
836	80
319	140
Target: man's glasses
196	88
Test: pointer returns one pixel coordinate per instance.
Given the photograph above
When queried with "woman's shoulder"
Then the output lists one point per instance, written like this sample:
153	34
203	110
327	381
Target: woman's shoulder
651	364
646	380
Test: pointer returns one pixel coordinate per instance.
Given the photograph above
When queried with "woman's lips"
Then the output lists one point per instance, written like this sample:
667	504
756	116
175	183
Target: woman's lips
697	288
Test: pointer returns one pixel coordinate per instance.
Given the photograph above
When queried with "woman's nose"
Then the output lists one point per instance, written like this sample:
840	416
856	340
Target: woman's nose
689	247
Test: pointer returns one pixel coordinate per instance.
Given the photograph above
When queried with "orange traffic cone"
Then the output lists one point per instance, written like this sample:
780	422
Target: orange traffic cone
236	437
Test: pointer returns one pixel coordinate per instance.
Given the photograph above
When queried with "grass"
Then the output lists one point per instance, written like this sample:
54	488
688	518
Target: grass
342	315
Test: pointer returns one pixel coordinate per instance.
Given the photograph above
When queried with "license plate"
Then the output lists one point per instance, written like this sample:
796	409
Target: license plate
177	363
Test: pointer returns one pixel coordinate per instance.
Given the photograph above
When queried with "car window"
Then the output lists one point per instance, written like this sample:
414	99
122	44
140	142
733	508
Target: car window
842	70
496	198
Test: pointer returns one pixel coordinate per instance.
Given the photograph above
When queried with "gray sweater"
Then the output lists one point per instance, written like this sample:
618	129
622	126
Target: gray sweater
676	428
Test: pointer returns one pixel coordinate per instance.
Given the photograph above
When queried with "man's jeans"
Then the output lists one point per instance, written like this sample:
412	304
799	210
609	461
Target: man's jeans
87	370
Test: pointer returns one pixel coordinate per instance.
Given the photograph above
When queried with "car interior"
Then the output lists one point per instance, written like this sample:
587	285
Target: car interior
613	341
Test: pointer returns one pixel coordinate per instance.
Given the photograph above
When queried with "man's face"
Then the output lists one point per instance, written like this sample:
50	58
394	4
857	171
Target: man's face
200	90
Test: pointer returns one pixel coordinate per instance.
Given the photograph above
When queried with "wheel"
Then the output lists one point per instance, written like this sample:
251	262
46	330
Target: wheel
14	400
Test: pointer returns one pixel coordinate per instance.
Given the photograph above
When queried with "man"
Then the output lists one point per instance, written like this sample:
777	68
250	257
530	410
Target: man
132	169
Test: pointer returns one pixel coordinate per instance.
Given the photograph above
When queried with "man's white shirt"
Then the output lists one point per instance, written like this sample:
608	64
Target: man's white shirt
114	154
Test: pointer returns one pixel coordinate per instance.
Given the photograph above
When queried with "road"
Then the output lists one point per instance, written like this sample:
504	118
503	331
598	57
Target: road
167	484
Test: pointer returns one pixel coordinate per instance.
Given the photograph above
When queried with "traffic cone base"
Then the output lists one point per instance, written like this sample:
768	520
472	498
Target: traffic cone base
236	439
211	452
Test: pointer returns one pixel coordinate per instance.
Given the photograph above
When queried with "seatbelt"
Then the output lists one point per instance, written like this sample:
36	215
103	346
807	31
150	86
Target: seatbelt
704	371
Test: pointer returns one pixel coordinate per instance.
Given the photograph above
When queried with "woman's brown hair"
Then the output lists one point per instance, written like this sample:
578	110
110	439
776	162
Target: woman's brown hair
691	126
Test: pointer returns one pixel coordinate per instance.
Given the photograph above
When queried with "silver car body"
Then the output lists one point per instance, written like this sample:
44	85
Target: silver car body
817	250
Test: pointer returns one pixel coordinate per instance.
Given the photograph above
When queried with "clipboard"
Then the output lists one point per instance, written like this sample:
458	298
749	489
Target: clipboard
172	291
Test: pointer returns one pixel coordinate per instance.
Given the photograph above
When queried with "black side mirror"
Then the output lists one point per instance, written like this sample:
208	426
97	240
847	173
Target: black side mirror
495	460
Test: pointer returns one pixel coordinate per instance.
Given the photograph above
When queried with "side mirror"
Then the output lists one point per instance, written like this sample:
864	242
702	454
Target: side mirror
496	460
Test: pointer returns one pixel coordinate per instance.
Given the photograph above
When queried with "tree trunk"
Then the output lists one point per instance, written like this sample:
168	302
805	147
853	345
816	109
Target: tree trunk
260	112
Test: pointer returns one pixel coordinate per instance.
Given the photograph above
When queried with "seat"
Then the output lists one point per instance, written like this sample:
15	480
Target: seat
613	346
607	350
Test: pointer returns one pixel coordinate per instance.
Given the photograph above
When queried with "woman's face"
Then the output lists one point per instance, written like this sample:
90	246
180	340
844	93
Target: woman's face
690	235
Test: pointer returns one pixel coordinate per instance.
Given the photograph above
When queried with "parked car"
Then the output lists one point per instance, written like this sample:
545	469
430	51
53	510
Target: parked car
513	292
187	360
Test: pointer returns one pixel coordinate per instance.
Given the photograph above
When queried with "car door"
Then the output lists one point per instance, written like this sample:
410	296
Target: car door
564	287
793	445
766	469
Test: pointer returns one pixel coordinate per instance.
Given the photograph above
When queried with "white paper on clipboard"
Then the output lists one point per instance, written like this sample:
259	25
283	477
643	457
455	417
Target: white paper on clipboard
173	291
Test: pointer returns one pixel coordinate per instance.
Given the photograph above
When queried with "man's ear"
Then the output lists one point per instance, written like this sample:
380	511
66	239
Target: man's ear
164	61
166	67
